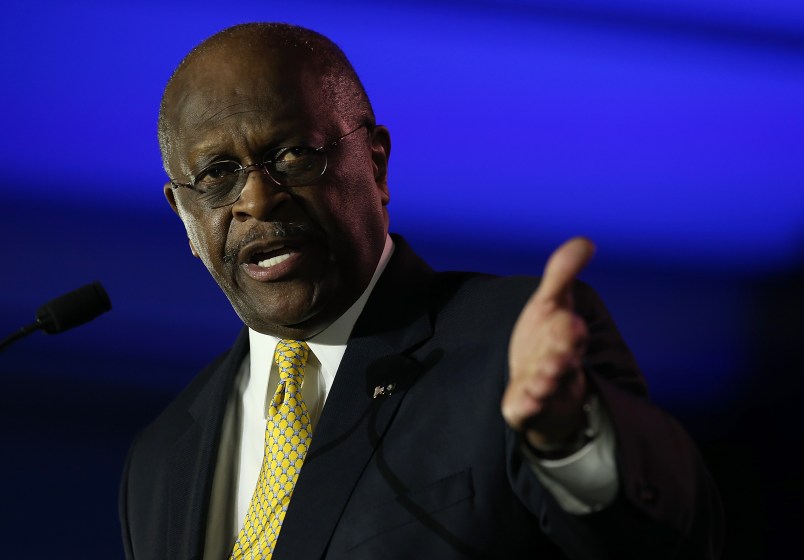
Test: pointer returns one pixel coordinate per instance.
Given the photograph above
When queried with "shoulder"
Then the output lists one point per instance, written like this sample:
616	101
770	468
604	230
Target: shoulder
200	402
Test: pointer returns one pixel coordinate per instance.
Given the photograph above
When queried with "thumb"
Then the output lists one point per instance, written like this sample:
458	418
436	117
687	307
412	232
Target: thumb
562	267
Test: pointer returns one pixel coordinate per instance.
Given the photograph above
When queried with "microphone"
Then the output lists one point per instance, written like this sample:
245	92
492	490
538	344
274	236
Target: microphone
67	311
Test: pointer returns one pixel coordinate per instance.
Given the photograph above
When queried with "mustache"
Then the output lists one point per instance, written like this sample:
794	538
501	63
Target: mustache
270	232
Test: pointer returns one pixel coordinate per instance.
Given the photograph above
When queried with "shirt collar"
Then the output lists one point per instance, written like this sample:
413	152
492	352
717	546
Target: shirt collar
329	345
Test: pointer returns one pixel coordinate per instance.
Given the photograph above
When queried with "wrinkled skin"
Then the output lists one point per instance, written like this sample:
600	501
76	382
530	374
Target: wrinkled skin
237	102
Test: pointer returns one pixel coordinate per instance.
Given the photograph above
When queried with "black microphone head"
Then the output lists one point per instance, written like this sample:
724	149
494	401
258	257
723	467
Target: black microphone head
73	308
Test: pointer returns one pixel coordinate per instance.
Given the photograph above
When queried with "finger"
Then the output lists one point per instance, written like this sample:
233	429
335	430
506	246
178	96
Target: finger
519	405
526	401
565	333
540	336
563	266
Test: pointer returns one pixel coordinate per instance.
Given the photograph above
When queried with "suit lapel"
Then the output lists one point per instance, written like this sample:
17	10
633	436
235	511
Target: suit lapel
372	380
193	456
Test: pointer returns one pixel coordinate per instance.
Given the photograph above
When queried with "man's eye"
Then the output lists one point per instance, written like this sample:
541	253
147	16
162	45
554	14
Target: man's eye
218	175
291	161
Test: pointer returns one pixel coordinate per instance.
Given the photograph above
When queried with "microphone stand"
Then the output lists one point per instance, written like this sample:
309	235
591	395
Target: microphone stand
65	312
24	331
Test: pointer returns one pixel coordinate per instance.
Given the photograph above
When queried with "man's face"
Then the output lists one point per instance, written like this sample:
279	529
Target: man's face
290	259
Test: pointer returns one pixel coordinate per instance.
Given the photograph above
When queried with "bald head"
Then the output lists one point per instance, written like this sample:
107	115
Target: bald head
215	63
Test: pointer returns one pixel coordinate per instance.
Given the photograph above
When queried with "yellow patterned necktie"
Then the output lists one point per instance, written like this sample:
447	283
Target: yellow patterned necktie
287	437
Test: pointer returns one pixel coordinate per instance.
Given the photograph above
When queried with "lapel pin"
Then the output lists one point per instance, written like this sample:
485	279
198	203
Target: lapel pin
382	391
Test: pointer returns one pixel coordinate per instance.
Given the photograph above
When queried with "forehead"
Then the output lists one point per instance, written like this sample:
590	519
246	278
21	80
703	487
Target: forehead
233	90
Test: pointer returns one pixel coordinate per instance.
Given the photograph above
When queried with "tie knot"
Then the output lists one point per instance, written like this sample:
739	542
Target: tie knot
291	356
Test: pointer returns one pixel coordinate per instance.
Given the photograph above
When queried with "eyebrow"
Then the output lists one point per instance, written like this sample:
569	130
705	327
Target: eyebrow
288	133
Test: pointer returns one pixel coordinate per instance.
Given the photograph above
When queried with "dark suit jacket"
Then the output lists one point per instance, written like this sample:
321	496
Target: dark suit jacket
428	469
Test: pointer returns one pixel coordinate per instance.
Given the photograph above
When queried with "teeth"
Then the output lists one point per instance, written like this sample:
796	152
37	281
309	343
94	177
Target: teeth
273	261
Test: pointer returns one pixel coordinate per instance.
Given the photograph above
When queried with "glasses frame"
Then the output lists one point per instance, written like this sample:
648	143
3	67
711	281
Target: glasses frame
244	170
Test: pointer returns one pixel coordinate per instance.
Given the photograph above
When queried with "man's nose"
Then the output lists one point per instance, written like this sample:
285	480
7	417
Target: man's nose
260	195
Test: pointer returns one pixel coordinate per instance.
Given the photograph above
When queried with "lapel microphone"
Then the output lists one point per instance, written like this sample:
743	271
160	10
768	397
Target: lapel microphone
65	312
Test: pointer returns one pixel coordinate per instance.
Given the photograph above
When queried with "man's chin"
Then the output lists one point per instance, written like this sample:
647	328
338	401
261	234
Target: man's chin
300	330
297	309
299	317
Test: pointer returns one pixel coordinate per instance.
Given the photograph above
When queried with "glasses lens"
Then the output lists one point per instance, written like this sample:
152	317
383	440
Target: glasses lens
297	166
218	183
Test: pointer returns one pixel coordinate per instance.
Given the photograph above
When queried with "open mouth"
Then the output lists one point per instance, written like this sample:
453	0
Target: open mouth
278	252
269	262
271	258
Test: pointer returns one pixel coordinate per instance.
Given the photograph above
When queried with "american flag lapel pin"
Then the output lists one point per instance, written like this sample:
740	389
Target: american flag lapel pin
383	390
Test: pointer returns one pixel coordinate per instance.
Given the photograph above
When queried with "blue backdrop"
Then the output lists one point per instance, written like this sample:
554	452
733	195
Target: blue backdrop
670	133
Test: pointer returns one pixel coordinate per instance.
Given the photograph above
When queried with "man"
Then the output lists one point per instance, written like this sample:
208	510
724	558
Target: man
466	416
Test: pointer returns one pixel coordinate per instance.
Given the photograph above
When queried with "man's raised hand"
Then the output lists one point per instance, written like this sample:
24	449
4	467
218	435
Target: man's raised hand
547	387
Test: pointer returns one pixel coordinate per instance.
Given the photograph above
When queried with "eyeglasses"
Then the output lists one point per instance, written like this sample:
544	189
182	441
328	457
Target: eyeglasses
221	183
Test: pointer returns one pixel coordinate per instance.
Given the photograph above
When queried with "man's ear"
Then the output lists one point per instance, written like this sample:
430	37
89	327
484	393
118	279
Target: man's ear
380	153
170	195
193	250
